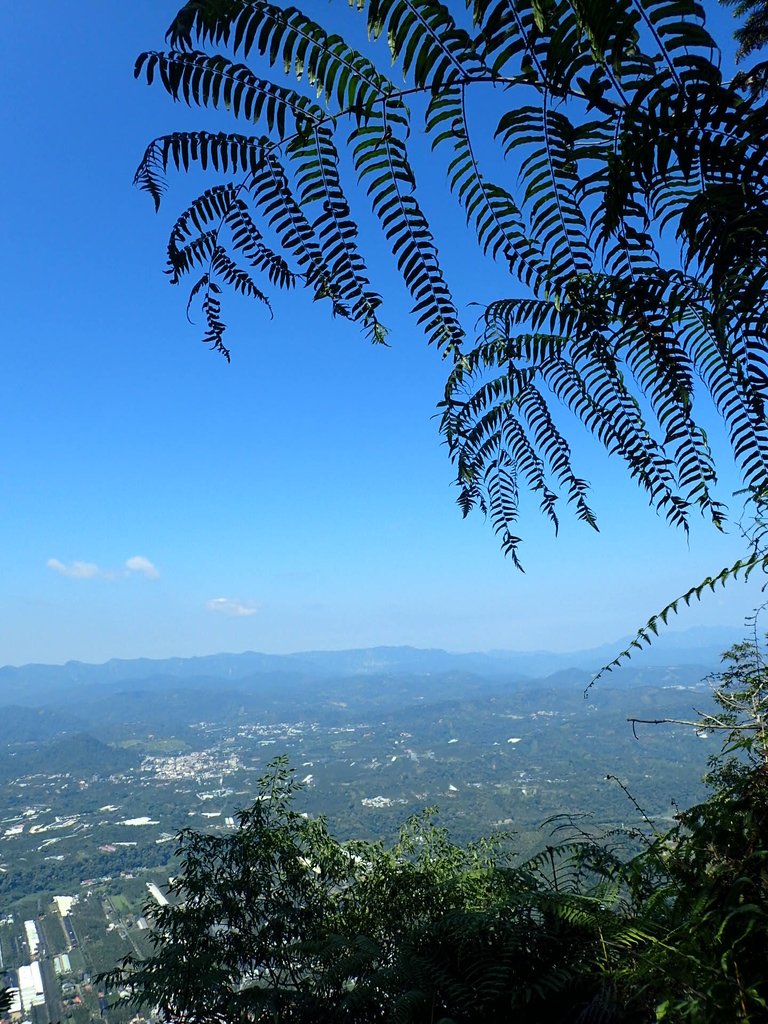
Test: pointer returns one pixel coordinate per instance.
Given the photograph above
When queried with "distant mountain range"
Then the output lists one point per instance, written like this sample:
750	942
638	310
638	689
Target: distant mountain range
685	656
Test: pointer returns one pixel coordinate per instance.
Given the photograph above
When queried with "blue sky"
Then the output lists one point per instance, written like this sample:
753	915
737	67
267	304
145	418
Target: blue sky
157	501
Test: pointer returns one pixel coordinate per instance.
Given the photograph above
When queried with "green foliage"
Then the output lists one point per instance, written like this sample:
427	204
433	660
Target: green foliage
753	34
621	143
279	921
711	887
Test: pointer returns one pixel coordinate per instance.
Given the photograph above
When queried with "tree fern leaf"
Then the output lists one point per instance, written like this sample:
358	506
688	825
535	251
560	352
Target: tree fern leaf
287	35
319	183
423	35
203	80
215	327
490	209
549	174
274	199
222	151
236	277
620	133
381	160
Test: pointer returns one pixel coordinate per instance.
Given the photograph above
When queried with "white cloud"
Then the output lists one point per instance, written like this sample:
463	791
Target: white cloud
229	606
138	563
90	571
76	570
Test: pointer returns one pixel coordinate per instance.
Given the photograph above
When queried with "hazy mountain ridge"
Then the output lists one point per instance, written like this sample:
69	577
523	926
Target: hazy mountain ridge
168	707
43	684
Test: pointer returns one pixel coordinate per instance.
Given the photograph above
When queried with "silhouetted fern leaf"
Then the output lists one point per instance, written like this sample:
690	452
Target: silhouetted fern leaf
621	145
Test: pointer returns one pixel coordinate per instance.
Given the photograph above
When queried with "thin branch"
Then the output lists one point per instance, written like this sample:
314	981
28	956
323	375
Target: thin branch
706	720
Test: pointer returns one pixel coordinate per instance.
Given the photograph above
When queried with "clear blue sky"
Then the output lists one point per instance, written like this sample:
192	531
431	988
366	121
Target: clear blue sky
159	502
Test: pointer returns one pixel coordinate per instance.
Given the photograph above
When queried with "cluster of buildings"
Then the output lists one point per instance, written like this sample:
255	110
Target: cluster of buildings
202	764
30	990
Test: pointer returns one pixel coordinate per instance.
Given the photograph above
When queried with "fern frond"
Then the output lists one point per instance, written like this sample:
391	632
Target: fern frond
215	327
247	239
236	277
382	164
284	35
742	568
490	209
423	36
318	182
221	151
274	199
549	173
205	80
620	135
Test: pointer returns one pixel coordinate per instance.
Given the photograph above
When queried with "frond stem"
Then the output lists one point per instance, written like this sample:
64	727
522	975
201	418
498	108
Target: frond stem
481	181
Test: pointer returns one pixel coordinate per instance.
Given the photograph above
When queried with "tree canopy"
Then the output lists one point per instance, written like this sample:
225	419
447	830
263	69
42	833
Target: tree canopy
629	214
278	921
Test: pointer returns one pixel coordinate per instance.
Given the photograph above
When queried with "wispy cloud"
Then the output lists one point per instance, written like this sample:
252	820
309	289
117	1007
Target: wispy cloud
76	570
138	563
229	606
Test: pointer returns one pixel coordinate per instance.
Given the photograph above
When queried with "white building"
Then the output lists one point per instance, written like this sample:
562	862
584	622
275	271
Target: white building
157	896
64	904
31	986
33	939
62	964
